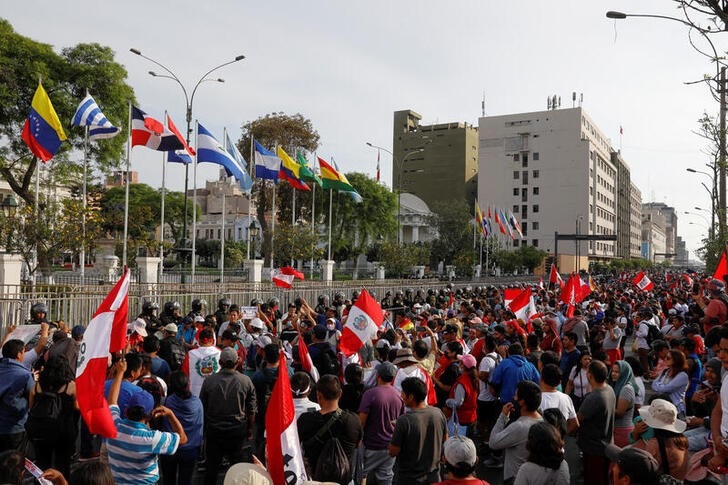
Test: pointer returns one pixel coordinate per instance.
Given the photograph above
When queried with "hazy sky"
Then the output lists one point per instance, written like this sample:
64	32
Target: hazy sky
348	65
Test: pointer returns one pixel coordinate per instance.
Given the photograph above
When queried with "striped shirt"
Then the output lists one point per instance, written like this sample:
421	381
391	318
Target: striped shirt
133	453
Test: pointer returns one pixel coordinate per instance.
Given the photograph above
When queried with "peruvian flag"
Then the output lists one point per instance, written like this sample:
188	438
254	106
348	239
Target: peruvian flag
722	268
555	277
450	301
285	458
106	333
364	319
151	133
643	282
540	283
509	294
306	360
282	280
688	280
584	290
287	270
523	305
570	291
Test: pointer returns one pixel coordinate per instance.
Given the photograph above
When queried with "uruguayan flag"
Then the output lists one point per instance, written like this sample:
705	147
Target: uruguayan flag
89	114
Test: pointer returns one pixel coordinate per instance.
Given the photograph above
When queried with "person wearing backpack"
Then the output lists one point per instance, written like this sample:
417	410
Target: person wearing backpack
329	436
642	340
322	353
15	386
52	424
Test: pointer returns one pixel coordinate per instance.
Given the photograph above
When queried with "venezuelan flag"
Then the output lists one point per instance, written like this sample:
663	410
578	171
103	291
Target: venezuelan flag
479	220
43	132
290	171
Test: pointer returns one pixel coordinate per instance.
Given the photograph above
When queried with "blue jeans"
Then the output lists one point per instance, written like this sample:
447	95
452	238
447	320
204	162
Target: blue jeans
380	465
178	468
697	438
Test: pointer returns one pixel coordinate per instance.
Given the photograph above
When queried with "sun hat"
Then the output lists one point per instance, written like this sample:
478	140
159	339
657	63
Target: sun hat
662	414
171	328
404	355
139	326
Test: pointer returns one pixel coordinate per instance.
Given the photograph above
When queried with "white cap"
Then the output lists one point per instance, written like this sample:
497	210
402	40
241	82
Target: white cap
139	326
257	323
459	449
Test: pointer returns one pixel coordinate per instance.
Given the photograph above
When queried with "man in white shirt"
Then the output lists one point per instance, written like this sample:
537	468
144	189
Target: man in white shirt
551	397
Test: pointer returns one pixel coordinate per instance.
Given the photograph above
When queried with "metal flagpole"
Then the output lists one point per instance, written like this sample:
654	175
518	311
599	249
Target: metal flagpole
126	196
161	222
194	207
222	225
331	199
481	255
273	229
82	256
250	198
313	215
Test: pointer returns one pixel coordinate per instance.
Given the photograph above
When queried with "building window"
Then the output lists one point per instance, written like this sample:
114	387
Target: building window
516	174
515	209
524	211
534	243
536	191
524	162
515	243
524	196
535	156
534	226
535	208
524	177
515	191
535	174
524	157
516	157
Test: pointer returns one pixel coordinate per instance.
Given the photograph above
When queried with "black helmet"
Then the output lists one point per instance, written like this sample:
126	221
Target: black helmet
408	291
38	308
171	306
388	293
255	302
274	302
149	306
354	295
198	304
339	296
430	292
323	300
224	303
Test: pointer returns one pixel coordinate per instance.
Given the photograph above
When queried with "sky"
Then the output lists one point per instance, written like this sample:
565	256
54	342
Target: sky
348	66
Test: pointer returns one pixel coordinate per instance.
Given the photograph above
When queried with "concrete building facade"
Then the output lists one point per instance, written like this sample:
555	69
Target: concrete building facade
239	212
670	215
447	167
635	222
653	234
624	201
554	170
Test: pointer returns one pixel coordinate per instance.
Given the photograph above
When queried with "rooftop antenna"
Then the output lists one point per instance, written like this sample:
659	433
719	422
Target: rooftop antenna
581	99
553	102
559	101
573	99
482	105
548	102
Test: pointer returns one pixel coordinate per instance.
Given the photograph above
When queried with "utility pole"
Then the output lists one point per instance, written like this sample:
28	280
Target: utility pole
722	160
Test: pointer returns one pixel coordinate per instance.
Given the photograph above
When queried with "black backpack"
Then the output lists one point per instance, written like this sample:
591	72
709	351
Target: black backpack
653	333
326	362
45	417
332	465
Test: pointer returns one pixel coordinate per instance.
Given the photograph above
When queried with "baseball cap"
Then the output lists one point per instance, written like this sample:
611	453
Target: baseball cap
78	331
459	449
468	361
228	354
142	399
387	371
199	319
171	328
638	464
257	323
382	343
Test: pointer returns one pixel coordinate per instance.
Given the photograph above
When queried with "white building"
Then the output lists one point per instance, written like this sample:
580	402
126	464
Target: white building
654	240
415	220
635	222
553	170
239	212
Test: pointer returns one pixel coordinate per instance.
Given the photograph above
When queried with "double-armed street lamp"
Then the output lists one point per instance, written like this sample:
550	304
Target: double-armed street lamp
189	100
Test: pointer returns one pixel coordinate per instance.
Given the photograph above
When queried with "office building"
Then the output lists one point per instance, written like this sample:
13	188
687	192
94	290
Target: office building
653	233
670	216
635	222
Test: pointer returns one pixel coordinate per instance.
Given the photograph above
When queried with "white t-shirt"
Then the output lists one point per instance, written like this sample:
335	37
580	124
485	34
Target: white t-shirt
487	364
724	406
639	398
559	400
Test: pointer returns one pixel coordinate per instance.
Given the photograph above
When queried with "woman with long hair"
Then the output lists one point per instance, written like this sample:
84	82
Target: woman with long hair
464	393
546	464
674	380
577	386
178	469
54	447
625	390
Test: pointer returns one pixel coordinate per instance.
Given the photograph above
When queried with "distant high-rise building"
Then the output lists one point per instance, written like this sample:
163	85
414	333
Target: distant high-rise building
624	200
437	163
670	216
635	222
654	245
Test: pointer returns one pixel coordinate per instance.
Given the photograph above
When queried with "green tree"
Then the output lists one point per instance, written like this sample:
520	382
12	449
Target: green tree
294	242
397	259
455	231
530	257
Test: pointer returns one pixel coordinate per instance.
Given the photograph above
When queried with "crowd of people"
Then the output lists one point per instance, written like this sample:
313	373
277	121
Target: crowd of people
617	385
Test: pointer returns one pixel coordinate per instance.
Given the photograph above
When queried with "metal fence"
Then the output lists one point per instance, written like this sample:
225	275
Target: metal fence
75	304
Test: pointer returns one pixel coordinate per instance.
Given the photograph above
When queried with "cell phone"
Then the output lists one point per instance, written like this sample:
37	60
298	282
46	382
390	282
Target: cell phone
420	329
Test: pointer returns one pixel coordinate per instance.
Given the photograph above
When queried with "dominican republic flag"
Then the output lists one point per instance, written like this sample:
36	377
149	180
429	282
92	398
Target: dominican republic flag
199	364
151	133
364	319
523	305
555	277
285	458
306	360
267	164
211	151
282	280
287	270
642	282
89	114
106	333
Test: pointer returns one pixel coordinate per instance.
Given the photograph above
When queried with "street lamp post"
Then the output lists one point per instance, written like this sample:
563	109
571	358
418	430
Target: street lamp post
712	194
188	117
399	183
720	78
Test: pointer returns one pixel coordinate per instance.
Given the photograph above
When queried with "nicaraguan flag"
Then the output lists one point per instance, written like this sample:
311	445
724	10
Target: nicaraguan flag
267	164
179	156
89	114
210	150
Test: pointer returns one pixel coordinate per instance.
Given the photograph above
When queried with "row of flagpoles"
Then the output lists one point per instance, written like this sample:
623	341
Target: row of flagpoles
44	134
503	219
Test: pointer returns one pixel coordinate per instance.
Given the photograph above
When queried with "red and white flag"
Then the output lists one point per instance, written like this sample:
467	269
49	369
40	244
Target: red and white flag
285	458
555	277
151	133
523	305
509	294
282	280
173	128
540	283
306	360
364	319
642	282
722	268
106	333
287	270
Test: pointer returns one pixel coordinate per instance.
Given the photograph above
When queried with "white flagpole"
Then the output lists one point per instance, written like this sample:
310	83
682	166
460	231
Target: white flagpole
273	229
222	225
164	194
37	216
250	198
313	215
82	256
331	199
126	196
194	207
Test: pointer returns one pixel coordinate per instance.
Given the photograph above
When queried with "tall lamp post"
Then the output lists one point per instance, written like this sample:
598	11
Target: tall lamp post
189	99
9	208
720	78
399	182
713	197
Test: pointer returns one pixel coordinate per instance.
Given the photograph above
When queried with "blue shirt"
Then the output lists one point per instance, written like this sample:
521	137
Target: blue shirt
16	383
190	414
125	393
510	372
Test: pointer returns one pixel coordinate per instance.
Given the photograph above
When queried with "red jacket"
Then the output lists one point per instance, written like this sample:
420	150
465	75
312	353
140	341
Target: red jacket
467	412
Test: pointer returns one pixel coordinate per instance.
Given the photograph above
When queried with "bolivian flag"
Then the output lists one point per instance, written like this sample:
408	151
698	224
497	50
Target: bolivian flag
335	180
